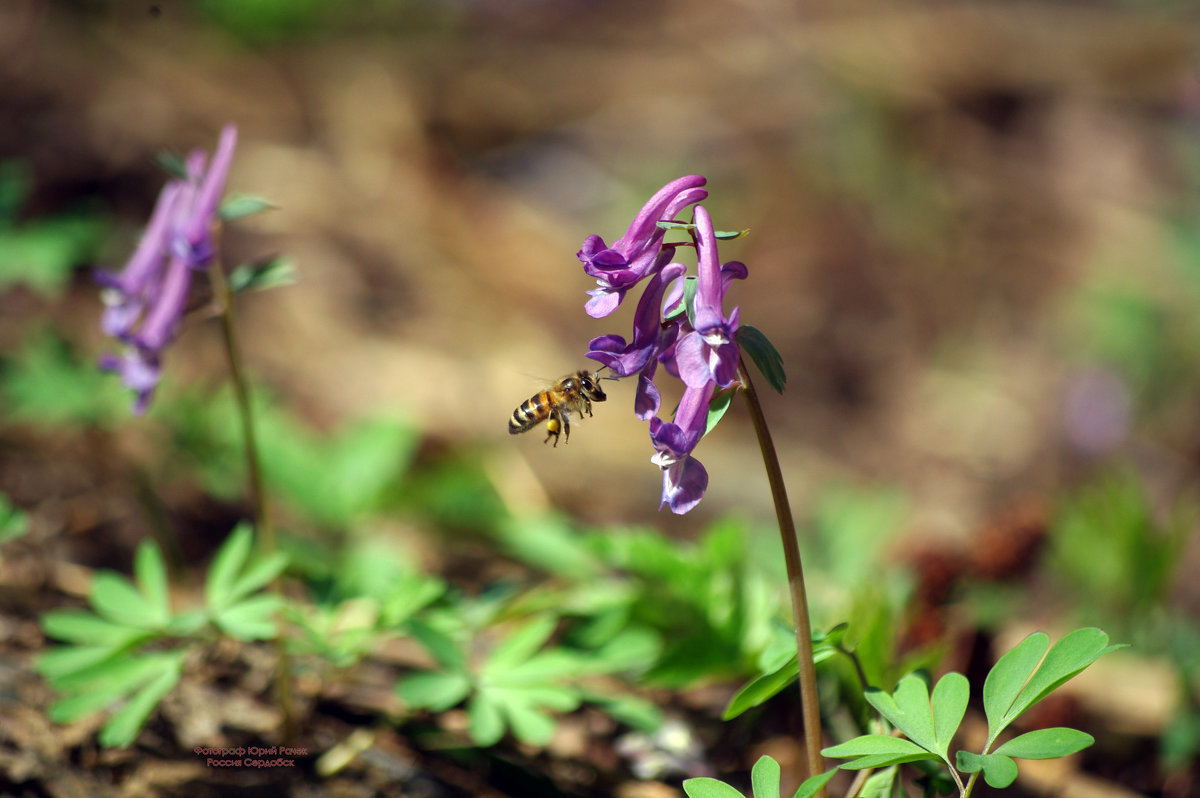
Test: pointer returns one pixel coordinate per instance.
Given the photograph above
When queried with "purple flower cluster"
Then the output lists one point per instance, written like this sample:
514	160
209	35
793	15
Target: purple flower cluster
145	302
696	346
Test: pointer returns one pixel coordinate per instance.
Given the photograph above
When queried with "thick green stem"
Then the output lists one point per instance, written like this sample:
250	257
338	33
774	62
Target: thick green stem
791	554
266	532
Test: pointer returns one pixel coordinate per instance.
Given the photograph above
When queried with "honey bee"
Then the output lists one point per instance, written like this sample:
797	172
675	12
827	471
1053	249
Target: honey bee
574	393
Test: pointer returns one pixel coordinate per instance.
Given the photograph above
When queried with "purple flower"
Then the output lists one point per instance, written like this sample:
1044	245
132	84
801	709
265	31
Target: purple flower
684	478
708	352
702	353
145	302
633	256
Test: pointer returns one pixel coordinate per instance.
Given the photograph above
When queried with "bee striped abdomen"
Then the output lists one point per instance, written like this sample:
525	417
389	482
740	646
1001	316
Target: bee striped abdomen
532	412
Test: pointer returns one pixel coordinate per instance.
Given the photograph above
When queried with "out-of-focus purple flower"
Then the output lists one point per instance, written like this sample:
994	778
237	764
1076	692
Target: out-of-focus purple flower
702	352
145	302
633	256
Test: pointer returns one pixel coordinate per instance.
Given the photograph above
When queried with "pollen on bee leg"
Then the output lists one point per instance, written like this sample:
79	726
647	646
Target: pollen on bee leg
552	429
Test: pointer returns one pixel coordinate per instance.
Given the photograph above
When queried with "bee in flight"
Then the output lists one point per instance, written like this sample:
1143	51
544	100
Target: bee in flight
574	393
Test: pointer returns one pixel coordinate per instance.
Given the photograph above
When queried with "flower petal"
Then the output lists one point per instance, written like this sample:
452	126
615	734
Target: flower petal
684	484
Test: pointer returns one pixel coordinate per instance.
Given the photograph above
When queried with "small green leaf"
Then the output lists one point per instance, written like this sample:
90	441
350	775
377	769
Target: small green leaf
675	225
485	725
239	207
226	565
717	407
440	646
764	778
172	164
999	771
63	661
13	522
104	683
949	702
764	354
261	275
258	574
907	709
1063	661
116	599
187	623
151	573
252	619
704	787
123	727
81	626
813	784
1008	676
883	783
434	690
874	745
690	284
528	724
730	235
521	644
1046	743
762	688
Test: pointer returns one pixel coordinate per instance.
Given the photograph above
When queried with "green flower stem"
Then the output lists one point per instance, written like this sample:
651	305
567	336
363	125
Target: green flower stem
266	532
791	554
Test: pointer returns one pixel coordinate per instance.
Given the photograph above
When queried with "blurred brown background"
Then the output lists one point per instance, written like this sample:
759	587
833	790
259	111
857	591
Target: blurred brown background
936	192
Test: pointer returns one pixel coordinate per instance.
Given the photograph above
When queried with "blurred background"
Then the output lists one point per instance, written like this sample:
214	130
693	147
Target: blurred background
974	238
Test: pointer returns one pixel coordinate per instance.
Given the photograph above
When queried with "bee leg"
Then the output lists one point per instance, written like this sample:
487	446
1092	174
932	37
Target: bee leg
552	427
566	427
587	405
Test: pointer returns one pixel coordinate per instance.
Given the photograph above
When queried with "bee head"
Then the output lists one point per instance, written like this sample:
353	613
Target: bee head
589	383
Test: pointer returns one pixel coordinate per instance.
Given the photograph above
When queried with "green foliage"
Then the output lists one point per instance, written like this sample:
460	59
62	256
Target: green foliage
777	676
47	385
764	781
13	522
764	354
337	481
41	254
1112	552
239	207
129	650
521	680
260	275
372	594
1021	678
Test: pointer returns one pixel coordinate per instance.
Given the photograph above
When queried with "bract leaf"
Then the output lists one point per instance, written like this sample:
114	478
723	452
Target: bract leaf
873	744
764	354
239	207
717	407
